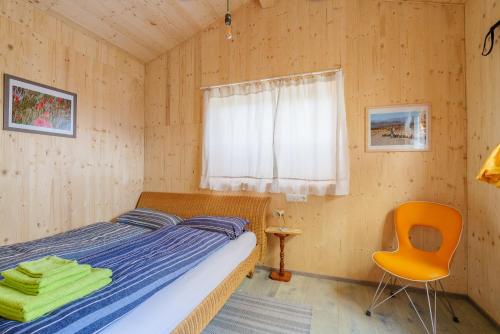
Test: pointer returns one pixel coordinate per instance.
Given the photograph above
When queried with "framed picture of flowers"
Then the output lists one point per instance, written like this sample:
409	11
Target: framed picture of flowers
33	107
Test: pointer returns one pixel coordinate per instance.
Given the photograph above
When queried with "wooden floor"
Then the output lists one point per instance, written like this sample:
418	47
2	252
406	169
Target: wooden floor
339	307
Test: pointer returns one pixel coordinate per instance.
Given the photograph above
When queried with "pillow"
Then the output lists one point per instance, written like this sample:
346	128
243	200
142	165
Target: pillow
148	218
233	227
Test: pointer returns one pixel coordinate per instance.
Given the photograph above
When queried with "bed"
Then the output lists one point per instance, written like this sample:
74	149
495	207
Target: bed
189	205
189	310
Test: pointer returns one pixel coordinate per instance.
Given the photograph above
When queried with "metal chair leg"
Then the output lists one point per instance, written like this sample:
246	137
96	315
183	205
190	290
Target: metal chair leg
450	307
393	284
378	293
431	302
431	316
432	311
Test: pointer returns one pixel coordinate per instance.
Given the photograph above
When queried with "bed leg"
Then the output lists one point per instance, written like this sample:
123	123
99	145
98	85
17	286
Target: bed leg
250	273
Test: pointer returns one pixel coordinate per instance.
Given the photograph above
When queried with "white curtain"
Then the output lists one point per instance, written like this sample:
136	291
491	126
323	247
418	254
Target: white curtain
238	137
311	136
286	135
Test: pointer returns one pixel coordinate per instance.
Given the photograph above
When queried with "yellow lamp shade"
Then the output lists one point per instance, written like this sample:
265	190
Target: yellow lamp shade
490	172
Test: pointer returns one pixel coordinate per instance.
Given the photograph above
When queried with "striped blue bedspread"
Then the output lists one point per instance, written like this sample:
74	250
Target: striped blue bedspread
71	244
141	265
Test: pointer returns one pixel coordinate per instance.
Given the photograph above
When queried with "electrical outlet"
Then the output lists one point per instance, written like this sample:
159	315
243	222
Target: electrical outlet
296	198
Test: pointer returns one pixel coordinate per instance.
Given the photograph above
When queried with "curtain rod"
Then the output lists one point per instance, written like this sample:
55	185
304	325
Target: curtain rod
274	78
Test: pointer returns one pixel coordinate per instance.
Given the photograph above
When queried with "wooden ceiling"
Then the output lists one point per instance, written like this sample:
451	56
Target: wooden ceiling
144	28
148	28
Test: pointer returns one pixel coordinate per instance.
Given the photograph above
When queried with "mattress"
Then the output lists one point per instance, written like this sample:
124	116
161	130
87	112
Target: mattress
163	311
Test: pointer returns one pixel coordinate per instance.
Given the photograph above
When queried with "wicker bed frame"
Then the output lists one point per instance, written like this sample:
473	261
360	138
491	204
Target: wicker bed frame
188	205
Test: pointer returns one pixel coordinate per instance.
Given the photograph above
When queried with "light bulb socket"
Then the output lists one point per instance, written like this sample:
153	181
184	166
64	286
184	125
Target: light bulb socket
228	19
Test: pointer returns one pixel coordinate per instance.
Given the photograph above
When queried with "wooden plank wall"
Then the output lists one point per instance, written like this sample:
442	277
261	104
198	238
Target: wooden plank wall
51	184
391	52
483	112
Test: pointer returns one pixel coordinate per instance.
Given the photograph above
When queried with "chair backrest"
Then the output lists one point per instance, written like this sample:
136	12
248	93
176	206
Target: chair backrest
445	219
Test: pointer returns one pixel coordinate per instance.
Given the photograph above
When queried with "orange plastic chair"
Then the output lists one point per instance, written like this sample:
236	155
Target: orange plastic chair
412	264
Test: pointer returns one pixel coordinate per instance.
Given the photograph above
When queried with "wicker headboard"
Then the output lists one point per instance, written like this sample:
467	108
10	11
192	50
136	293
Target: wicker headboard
188	205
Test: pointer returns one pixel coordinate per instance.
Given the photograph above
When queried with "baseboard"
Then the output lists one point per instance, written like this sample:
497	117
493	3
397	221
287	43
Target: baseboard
413	289
362	282
484	313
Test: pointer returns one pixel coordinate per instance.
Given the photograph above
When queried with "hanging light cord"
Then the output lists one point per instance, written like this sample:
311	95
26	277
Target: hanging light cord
227	19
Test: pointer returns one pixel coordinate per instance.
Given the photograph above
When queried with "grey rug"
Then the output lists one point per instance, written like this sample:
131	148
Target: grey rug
249	314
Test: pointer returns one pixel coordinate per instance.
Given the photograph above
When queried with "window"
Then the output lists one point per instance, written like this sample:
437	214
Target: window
286	135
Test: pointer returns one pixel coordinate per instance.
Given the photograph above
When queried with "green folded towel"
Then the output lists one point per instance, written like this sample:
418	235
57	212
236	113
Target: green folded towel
21	278
35	286
21	307
36	313
46	266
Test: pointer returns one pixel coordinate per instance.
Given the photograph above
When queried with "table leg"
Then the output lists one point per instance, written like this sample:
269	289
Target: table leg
281	275
282	255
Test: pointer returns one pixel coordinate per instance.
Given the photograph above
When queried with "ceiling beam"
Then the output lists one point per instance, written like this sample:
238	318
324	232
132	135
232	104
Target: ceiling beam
266	3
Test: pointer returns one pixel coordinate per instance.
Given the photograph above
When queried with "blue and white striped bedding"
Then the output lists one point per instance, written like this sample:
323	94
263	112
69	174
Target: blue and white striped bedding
233	227
149	218
72	244
145	263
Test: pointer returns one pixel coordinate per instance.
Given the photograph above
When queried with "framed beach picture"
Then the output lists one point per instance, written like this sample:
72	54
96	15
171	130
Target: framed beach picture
398	128
37	108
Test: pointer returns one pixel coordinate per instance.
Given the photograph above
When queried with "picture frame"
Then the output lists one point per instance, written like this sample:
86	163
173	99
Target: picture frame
398	128
36	108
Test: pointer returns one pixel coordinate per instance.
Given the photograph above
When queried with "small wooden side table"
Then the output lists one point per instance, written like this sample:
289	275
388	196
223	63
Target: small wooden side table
282	233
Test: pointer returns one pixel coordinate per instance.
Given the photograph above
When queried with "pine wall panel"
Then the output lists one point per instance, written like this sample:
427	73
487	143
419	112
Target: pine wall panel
51	184
391	52
483	135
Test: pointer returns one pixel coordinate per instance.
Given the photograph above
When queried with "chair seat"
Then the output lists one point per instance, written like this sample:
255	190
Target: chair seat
412	265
